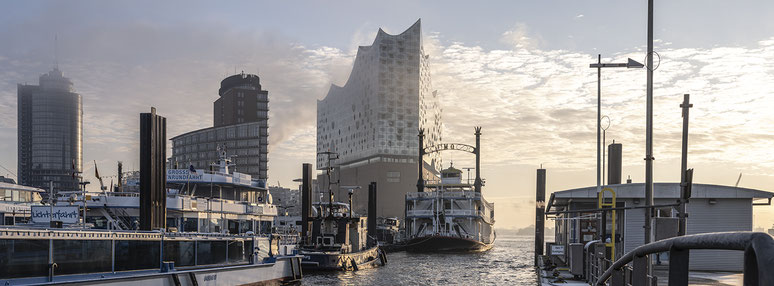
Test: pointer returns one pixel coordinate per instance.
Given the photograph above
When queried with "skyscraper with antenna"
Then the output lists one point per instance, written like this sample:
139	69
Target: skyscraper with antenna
50	132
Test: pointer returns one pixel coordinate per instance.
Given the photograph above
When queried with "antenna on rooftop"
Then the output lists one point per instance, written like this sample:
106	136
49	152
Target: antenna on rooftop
737	180
56	51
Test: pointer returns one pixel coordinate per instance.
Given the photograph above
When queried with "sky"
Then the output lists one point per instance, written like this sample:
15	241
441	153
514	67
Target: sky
519	69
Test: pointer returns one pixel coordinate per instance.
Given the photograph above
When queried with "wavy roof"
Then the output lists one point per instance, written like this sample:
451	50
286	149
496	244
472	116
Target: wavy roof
361	50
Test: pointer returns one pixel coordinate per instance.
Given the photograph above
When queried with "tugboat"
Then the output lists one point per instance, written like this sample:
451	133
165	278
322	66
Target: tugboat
449	216
333	238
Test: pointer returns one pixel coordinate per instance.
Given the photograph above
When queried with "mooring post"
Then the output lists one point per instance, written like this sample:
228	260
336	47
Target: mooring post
540	203
684	167
420	179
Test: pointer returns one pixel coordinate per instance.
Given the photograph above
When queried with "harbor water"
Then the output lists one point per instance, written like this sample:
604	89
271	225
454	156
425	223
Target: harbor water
509	262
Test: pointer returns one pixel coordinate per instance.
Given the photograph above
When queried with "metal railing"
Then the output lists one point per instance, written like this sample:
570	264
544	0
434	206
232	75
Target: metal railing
758	250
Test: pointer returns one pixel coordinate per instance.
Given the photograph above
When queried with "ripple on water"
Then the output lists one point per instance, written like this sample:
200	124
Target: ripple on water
509	262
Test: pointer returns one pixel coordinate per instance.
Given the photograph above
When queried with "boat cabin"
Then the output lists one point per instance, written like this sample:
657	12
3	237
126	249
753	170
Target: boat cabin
335	230
16	202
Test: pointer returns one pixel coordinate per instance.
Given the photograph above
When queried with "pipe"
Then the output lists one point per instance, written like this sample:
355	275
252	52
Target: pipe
758	247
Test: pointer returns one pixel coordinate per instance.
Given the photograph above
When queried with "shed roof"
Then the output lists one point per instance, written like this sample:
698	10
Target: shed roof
667	191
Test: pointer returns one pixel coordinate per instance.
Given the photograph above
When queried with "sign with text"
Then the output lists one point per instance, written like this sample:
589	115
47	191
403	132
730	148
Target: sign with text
65	214
184	175
557	249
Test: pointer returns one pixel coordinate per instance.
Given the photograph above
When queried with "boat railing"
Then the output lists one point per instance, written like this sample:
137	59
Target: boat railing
419	212
758	251
56	252
459	212
445	194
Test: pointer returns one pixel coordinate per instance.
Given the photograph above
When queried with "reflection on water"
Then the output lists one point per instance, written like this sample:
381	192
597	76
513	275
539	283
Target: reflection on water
509	262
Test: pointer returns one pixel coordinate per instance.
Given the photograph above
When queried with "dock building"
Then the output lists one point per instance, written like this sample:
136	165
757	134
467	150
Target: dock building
372	122
712	208
50	133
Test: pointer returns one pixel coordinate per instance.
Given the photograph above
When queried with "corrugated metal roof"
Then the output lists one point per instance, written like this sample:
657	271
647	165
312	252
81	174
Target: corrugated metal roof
667	190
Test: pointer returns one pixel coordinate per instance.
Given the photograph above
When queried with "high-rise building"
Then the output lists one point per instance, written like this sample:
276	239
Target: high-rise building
241	100
241	125
50	132
372	121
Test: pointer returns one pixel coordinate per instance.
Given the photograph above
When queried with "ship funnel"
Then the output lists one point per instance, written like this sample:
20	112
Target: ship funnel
614	162
306	199
372	209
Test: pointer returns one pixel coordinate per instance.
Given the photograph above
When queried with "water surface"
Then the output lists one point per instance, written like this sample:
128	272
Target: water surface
509	262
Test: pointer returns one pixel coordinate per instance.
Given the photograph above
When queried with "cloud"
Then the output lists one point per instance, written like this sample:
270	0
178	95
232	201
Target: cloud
536	105
122	69
579	16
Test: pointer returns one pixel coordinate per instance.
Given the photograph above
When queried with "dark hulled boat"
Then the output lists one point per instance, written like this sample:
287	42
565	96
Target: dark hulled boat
449	216
332	238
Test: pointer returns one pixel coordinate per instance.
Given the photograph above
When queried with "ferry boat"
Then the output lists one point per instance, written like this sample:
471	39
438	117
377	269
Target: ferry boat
16	202
201	201
44	256
338	239
219	233
449	216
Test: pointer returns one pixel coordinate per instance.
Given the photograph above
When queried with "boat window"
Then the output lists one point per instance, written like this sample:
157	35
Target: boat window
23	258
211	252
133	255
236	252
181	252
190	225
265	227
82	256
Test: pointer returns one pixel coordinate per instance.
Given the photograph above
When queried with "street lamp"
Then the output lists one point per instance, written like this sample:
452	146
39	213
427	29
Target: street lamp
604	144
599	65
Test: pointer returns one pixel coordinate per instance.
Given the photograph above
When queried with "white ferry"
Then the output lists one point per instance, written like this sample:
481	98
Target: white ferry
199	201
219	233
449	216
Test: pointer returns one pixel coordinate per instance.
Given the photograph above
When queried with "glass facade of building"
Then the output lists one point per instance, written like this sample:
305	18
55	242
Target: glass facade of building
50	132
247	141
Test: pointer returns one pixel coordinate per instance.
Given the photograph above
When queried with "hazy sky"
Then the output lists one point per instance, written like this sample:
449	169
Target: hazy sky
517	68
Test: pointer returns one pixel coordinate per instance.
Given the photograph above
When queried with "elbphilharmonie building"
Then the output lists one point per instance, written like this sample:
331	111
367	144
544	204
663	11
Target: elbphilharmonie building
373	120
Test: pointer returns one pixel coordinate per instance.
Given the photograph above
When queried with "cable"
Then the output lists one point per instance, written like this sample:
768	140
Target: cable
9	171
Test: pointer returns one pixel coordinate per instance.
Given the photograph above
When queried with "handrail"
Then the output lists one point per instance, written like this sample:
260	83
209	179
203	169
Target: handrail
758	250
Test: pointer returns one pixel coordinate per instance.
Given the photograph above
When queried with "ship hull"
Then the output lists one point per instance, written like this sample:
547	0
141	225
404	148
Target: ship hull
330	261
278	272
438	243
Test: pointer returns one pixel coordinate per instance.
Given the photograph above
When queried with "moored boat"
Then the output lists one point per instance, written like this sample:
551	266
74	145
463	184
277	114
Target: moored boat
335	239
449	215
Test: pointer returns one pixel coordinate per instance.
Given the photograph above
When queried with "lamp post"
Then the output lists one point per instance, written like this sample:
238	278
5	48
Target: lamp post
599	65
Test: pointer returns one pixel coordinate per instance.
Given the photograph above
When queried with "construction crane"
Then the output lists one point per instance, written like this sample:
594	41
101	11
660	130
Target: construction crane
96	174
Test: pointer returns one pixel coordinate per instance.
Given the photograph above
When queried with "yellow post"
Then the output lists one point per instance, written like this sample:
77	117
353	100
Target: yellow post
601	204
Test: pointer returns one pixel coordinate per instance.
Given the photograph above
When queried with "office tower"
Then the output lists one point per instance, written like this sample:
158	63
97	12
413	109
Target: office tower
50	132
241	124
